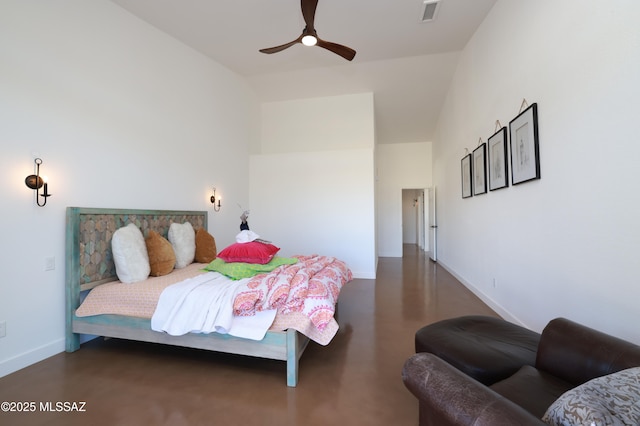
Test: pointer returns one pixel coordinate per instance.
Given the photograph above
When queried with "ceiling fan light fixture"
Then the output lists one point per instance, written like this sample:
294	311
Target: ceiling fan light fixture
309	40
309	36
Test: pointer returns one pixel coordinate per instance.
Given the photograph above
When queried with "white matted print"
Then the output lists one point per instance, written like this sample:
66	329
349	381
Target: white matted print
497	147
465	165
525	158
480	170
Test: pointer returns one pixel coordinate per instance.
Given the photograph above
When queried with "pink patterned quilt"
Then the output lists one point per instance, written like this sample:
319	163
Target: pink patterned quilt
310	287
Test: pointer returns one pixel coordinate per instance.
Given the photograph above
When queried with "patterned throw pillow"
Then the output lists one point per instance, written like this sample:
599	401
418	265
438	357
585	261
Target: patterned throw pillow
608	400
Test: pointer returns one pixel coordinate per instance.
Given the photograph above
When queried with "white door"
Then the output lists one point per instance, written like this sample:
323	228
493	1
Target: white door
433	224
424	219
419	218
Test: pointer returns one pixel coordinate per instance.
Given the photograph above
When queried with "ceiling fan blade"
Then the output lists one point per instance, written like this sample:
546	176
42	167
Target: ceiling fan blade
344	51
309	12
282	46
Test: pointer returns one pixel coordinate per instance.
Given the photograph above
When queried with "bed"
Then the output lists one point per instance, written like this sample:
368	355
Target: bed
90	269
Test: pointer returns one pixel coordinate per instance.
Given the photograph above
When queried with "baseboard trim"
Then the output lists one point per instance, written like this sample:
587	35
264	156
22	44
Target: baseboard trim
499	309
364	275
18	362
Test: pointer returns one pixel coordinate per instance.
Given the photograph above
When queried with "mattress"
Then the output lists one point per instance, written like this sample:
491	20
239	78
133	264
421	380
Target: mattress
140	299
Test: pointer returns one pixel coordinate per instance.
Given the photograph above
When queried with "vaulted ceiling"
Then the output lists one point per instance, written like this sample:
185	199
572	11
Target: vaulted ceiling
408	64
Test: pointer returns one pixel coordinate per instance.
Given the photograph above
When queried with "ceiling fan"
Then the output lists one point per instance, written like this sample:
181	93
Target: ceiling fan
309	37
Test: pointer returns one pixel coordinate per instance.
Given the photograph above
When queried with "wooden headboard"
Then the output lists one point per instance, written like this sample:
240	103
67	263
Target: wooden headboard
89	231
89	260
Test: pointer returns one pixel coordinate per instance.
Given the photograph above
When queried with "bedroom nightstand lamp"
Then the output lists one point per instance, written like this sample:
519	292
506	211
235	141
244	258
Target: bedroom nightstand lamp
216	207
36	182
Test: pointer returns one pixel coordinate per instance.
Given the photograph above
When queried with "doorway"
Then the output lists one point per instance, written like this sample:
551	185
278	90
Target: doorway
419	224
415	218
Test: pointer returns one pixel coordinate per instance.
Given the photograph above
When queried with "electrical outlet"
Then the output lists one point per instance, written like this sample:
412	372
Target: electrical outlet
49	263
3	329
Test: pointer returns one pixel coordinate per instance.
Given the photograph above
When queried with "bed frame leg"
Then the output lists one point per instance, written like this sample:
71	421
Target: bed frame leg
292	357
72	342
71	339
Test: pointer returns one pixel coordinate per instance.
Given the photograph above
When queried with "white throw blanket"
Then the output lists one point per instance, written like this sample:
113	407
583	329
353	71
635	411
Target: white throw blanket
204	304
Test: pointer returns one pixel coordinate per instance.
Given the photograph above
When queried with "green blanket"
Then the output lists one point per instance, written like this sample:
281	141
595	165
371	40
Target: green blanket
238	270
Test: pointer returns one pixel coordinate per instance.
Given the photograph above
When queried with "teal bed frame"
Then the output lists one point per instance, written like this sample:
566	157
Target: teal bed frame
89	263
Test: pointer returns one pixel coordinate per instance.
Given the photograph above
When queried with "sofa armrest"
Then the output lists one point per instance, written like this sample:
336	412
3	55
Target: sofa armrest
449	397
576	353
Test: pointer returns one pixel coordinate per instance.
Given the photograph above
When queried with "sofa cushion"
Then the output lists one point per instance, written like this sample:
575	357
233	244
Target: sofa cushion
486	348
613	399
532	389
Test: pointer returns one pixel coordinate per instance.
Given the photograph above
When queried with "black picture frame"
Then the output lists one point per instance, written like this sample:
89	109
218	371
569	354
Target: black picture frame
480	170
498	168
465	166
524	146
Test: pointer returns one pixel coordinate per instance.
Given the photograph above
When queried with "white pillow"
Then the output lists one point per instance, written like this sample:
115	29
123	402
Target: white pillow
183	239
612	400
130	254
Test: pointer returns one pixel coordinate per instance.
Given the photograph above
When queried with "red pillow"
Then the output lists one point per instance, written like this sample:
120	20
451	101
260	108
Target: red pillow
253	252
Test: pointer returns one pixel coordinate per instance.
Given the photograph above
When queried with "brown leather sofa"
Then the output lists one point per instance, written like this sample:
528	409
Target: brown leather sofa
568	355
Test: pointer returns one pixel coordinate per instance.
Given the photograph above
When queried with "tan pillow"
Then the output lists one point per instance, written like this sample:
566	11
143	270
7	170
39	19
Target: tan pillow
162	258
206	251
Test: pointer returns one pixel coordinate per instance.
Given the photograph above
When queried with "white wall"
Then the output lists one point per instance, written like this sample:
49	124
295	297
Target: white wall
123	116
565	245
331	123
312	186
399	166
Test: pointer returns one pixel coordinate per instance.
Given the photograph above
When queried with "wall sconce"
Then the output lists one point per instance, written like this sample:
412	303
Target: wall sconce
36	182
213	201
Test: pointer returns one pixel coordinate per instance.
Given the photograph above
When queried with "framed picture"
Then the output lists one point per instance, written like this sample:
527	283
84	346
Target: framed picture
497	147
480	170
525	155
466	176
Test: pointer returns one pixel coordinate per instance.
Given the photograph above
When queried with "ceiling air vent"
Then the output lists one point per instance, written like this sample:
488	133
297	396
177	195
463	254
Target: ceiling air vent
430	10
